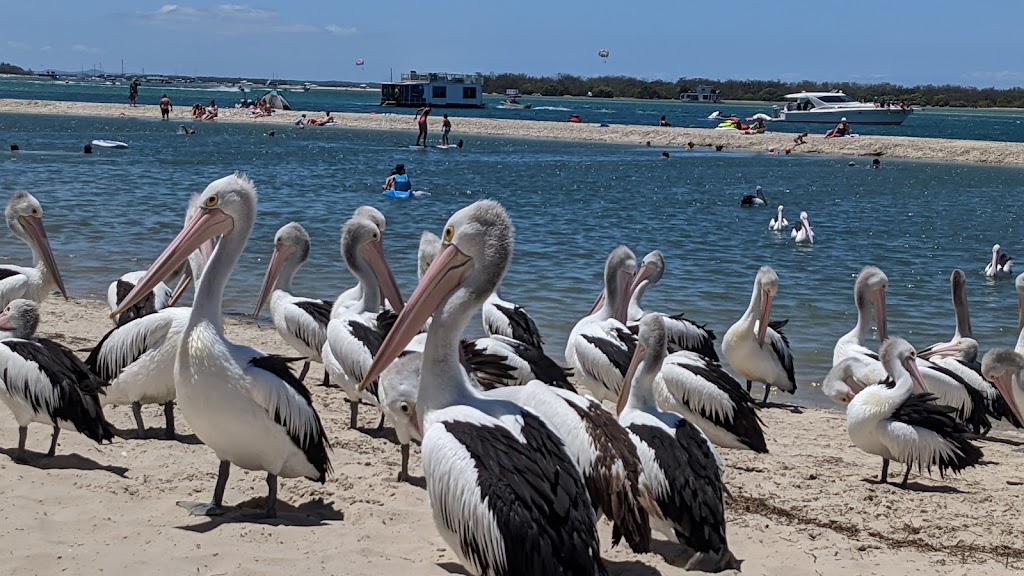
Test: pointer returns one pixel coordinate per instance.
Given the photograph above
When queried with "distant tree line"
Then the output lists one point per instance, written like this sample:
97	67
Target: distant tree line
755	90
7	68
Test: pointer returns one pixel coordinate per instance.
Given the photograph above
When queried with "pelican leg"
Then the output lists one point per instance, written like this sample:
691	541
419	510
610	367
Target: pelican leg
271	496
353	420
211	508
380	425
884	479
327	377
305	370
767	390
53	443
19	456
403	474
749	386
137	411
169	420
906	476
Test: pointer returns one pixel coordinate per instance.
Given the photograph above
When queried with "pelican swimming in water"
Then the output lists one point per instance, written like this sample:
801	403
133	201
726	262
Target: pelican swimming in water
247	406
890	421
25	219
500	480
779	222
744	343
802	232
755	199
1001	265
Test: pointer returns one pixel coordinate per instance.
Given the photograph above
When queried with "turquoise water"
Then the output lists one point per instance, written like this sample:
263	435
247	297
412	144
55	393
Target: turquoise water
572	202
968	124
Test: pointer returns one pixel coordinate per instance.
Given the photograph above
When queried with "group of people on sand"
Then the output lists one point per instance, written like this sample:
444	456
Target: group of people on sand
200	112
261	109
327	120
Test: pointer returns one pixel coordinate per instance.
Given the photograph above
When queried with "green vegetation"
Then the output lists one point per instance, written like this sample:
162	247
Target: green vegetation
757	90
6	68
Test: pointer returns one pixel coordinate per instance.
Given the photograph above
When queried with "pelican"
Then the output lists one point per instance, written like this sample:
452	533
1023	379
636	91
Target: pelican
964	364
600	346
1003	368
850	376
755	199
683	334
802	232
245	405
45	382
743	345
958	290
25	219
508	319
779	222
301	322
500	481
355	294
525	362
161	297
1001	265
354	336
681	478
890	421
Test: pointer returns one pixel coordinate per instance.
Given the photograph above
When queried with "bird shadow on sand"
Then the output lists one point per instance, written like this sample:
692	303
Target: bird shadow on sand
782	406
453	568
308	514
386	433
995	439
64	462
916	486
157	434
630	568
417	481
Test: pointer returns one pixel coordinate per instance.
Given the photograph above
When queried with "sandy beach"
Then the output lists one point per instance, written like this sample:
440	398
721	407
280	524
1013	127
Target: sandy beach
933	149
809	507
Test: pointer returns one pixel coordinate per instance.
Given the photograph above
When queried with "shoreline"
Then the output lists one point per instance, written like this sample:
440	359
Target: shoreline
890	147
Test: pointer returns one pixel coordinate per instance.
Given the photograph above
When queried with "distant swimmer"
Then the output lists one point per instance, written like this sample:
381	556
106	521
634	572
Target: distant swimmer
182	129
690	145
664	122
459	144
664	155
15	148
87	149
876	163
755	199
718	147
446	128
399	180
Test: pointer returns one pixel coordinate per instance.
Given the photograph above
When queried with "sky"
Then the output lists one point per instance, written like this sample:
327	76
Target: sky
906	42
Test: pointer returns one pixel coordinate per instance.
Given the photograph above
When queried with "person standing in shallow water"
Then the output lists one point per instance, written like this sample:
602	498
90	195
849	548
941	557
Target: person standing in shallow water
446	128
421	120
165	107
133	92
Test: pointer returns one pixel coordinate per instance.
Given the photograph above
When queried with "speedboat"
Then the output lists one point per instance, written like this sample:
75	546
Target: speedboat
831	107
512	101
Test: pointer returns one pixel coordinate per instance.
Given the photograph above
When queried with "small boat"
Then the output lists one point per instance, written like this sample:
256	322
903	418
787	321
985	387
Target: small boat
512	101
831	107
109	144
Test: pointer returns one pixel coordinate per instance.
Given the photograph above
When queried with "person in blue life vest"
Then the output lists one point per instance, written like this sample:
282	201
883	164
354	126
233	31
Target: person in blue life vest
399	180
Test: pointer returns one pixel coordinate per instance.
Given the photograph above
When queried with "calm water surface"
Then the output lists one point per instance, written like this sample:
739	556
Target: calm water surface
572	202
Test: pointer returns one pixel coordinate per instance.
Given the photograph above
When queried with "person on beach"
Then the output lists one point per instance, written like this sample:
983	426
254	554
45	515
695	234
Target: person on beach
799	140
664	122
446	127
421	121
133	92
301	122
212	111
843	129
690	145
165	107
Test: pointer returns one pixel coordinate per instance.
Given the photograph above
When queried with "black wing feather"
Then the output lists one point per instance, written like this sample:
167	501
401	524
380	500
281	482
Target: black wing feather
745	423
524	329
922	411
489	370
543	367
145	306
318	310
619	358
976	418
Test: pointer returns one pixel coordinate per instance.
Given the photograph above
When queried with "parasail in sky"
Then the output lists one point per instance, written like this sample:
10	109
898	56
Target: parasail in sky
603	54
360	62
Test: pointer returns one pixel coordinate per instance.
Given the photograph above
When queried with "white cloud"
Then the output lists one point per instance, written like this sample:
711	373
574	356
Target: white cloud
341	30
83	49
46	48
242	11
229	19
18	45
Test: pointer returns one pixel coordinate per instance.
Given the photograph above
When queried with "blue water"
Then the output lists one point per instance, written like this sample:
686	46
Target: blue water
572	202
959	123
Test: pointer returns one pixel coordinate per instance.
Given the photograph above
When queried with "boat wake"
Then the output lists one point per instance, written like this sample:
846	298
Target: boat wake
558	108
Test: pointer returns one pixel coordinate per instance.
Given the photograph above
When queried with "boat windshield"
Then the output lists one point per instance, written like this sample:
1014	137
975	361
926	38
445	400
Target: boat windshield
835	98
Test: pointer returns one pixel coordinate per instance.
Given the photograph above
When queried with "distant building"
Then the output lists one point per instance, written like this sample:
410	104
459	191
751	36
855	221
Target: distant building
442	90
707	94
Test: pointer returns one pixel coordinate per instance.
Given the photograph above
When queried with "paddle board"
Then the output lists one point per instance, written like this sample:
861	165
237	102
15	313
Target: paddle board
109	144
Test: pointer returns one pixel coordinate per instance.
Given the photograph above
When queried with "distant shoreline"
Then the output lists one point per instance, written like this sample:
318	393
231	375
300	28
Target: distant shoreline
889	147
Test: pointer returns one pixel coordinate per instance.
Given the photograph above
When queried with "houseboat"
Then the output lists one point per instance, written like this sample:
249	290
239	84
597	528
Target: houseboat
436	89
704	94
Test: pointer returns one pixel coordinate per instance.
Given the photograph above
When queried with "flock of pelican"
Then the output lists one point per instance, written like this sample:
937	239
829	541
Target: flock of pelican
802	233
519	466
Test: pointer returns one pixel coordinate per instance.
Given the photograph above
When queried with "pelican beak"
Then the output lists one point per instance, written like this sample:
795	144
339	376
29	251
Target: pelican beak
207	224
5	322
855	387
994	266
183	284
949	348
277	260
627	383
878	299
766	312
1004	383
373	253
448	271
645	273
910	363
34	227
622	309
597	303
206	249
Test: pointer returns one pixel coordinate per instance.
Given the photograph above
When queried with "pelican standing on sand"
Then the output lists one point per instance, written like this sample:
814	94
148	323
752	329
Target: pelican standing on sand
744	343
25	219
1001	265
779	222
245	405
505	494
888	420
802	232
45	382
301	322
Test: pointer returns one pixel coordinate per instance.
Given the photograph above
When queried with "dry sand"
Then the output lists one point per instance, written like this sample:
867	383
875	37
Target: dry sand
934	149
808	508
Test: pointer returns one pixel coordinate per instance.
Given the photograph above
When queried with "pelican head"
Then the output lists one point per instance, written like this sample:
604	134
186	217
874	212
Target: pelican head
399	388
650	352
476	248
1002	368
227	206
21	318
843	381
993	267
760	193
362	247
430	245
652	268
291	248
373	215
193	271
899	358
781	208
767	285
25	219
869	290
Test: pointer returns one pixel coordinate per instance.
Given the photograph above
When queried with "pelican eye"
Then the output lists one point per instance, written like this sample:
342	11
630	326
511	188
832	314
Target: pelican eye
405	407
35	211
449	233
212	201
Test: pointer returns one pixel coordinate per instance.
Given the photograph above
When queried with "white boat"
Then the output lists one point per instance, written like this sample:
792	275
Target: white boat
512	101
831	107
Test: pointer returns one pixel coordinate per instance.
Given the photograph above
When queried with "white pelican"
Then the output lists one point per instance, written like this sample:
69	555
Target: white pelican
508	319
45	382
744	343
245	405
1003	368
683	334
888	420
355	294
1001	265
779	222
755	199
802	232
961	311
600	346
850	376
500	481
25	219
354	336
682	477
525	363
964	364
301	322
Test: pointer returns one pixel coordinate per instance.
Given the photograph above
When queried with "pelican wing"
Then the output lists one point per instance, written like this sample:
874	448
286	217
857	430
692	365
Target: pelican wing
512	322
13	284
923	433
536	363
307	320
275	387
685	334
489	370
780	345
968	402
608	355
125	344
